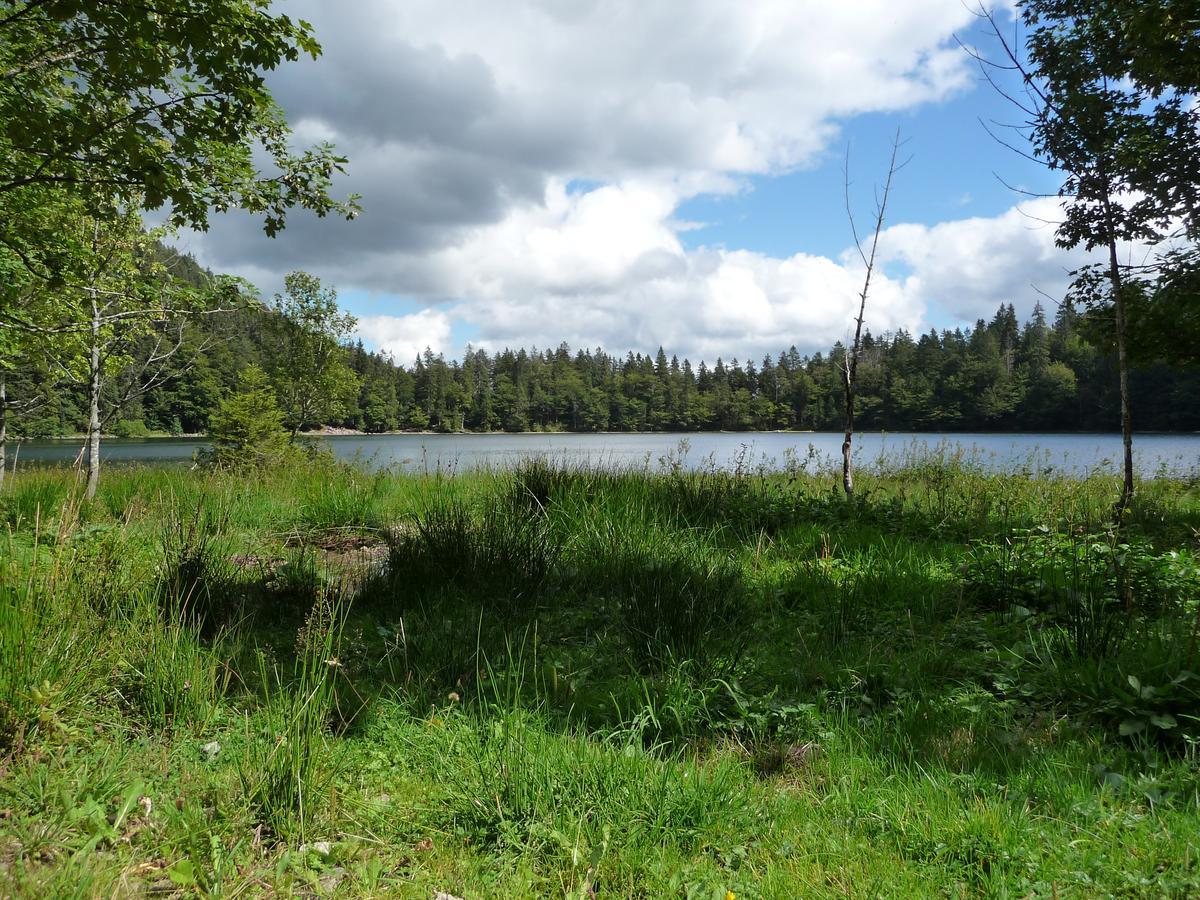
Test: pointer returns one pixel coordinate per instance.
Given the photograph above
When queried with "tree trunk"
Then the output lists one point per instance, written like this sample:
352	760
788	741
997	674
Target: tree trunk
847	465
850	369
1114	275
847	441
3	428
93	434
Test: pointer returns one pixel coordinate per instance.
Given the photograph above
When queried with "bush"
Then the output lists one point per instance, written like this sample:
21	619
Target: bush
1096	585
131	428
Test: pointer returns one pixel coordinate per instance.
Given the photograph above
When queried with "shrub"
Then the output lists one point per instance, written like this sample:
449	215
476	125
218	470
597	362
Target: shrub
1095	585
131	428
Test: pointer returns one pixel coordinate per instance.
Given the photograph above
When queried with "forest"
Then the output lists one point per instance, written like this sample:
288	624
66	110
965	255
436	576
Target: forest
999	375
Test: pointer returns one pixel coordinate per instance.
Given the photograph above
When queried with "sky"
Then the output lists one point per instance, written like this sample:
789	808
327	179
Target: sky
630	174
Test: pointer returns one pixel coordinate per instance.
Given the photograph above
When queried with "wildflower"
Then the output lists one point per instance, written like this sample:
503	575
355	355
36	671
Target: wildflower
453	697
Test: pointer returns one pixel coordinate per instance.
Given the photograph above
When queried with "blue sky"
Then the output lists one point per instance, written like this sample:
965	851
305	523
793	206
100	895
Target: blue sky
951	173
525	171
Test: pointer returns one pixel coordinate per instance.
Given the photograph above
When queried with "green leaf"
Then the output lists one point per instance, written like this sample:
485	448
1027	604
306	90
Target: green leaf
182	872
1163	720
1132	726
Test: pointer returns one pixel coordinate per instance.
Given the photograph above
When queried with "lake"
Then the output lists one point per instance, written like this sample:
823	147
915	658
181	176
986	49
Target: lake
1075	453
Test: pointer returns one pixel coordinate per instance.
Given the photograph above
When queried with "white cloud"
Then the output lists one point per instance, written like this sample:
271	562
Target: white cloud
967	267
605	268
405	337
456	116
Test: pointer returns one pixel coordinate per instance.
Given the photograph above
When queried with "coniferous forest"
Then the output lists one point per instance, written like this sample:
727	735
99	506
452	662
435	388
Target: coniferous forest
1050	373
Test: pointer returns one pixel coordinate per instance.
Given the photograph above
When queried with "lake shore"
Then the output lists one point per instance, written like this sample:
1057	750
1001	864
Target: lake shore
1065	453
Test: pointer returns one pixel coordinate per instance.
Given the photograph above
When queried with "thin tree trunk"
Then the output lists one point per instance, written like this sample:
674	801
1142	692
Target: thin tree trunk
848	378
3	428
1118	292
93	435
1114	275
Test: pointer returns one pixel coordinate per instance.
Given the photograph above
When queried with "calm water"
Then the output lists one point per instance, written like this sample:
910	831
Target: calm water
1076	453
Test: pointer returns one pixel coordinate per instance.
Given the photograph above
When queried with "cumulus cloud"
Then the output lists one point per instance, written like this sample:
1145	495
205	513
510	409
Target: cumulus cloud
405	337
455	114
605	268
967	267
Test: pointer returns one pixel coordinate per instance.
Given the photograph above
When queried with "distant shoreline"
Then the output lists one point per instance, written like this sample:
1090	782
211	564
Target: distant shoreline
351	432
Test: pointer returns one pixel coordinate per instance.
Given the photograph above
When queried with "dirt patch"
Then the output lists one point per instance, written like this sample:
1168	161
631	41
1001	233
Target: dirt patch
345	553
342	554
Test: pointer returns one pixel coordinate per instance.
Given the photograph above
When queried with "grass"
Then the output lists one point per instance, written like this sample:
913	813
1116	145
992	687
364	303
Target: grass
573	682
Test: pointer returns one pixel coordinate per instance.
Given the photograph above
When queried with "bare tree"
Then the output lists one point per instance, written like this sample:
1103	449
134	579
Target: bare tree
850	366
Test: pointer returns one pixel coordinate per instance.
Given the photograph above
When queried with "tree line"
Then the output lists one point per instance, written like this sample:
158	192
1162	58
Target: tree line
999	375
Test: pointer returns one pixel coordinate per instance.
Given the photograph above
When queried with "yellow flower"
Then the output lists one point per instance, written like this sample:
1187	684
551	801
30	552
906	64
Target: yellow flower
730	895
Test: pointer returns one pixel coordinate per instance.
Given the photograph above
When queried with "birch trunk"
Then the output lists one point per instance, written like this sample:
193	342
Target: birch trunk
93	434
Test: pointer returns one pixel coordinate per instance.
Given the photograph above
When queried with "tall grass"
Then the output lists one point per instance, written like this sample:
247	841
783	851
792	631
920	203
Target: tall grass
35	498
571	681
197	577
285	769
51	643
673	605
172	677
502	552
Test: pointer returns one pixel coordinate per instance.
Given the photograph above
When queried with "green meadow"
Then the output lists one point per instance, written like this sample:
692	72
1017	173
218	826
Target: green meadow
562	681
